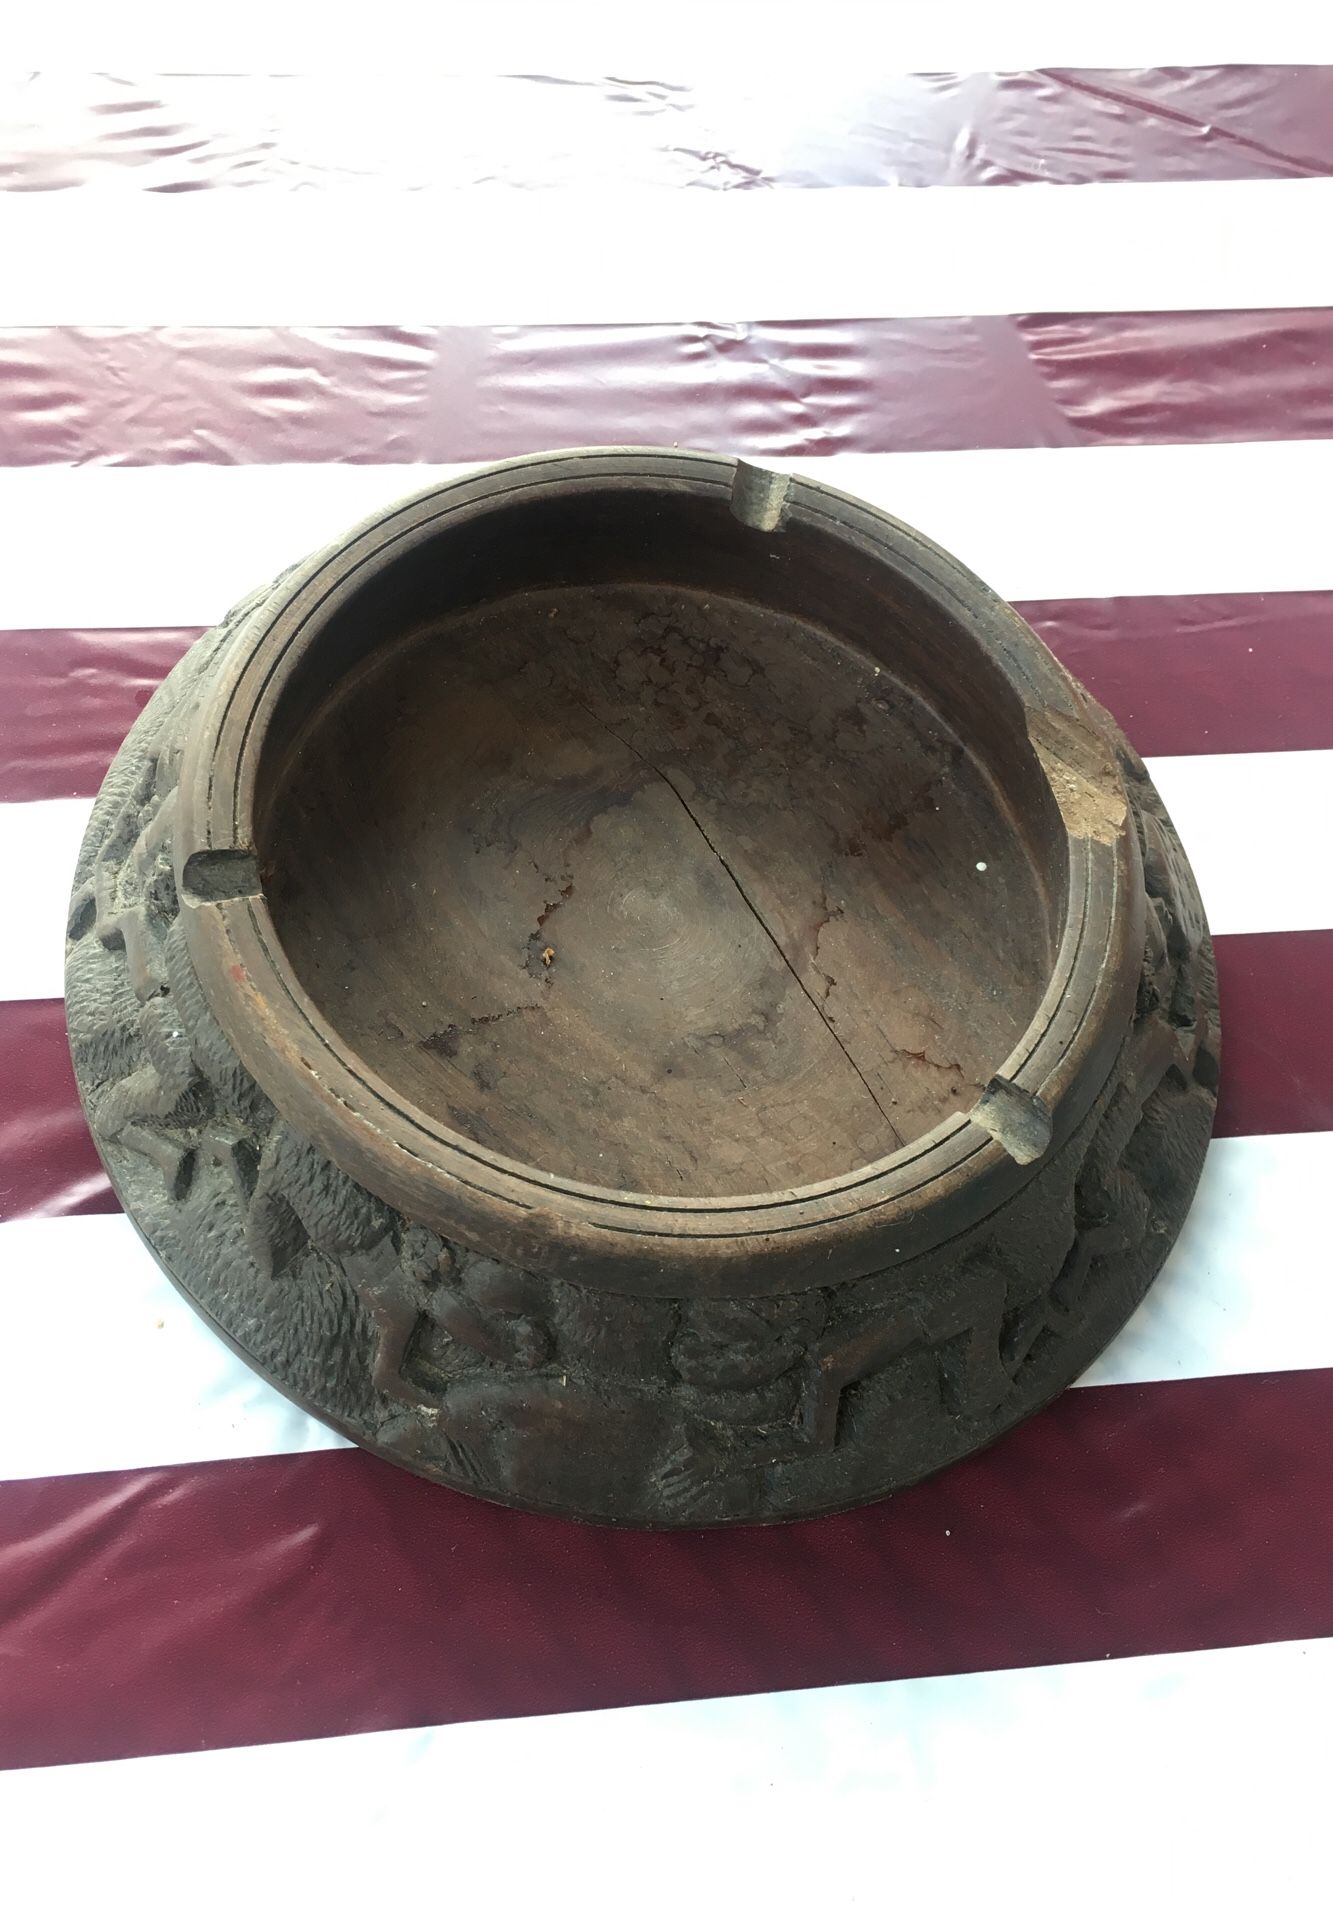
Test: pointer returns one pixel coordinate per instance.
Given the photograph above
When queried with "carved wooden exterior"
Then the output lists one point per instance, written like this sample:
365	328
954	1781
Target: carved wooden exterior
528	1387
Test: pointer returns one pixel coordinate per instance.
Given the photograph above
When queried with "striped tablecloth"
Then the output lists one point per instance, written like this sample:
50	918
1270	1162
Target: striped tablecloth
1076	322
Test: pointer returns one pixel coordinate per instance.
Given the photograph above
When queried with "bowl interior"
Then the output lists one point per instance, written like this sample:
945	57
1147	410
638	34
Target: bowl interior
658	852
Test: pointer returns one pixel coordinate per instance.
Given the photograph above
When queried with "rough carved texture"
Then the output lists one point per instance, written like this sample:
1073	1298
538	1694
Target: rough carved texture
546	1394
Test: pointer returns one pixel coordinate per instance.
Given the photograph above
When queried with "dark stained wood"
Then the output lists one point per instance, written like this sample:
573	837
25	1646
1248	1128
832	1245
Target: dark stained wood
656	890
637	988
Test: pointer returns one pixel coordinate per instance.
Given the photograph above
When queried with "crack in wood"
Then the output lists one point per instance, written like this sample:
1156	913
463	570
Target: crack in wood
759	919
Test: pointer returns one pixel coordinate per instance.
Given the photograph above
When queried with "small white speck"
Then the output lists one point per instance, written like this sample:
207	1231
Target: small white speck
981	866
946	1533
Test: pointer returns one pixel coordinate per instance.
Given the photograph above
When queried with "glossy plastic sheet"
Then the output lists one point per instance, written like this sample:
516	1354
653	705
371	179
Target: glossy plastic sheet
364	1600
209	1568
791	123
223	395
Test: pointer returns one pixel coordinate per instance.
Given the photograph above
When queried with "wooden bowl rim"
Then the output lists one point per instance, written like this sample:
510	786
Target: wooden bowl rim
840	1228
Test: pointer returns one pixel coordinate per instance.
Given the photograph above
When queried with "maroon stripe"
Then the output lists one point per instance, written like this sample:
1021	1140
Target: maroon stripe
223	395
48	1163
183	131
1277	1006
245	395
325	1594
1219	673
1277	1032
67	700
810	387
1207	673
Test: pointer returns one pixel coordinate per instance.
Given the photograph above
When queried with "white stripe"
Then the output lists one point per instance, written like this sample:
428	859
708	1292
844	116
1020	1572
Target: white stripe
692	40
105	256
174	546
147	1383
39	845
1254	825
1241	1293
1176	1783
1244	1288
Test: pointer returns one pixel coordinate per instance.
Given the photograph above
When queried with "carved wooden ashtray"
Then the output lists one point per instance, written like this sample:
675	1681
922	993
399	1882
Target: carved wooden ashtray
639	989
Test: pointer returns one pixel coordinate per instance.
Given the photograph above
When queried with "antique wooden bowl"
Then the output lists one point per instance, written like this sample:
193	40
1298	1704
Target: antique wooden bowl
639	989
